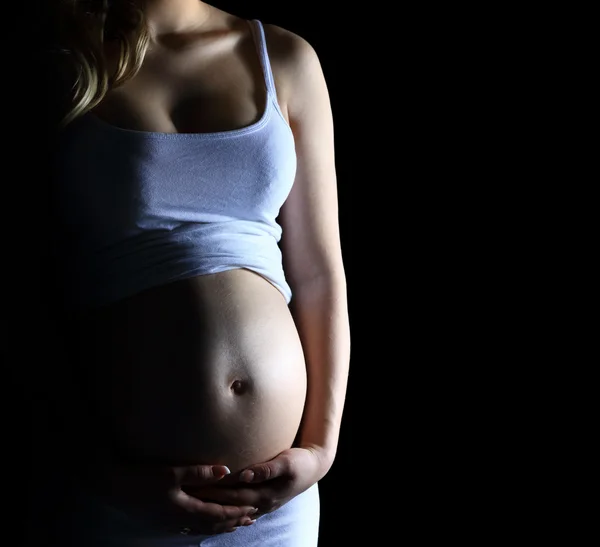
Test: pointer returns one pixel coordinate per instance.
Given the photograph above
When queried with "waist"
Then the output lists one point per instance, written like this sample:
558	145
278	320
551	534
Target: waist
101	275
209	369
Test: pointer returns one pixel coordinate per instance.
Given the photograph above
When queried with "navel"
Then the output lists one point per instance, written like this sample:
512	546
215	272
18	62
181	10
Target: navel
239	387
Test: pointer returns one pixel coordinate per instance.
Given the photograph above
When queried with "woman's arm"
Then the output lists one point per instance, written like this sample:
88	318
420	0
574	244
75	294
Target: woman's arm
312	254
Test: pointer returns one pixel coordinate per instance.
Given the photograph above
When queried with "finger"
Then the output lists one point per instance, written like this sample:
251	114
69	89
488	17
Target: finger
211	510
232	525
199	475
238	497
189	525
265	471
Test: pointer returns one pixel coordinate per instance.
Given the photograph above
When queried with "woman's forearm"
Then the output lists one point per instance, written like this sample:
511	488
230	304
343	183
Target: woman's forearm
321	313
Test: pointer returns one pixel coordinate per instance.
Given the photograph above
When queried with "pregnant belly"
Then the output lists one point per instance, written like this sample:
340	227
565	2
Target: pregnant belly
206	370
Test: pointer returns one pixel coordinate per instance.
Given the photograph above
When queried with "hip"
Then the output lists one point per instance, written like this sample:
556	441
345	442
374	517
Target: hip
90	521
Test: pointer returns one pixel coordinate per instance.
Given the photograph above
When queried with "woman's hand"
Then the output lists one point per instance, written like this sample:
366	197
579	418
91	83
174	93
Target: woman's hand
155	493
269	485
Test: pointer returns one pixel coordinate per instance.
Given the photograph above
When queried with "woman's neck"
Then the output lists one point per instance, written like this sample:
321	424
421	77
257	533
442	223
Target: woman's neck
168	17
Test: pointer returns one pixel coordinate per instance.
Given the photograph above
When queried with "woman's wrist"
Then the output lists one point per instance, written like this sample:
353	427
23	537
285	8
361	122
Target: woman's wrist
324	455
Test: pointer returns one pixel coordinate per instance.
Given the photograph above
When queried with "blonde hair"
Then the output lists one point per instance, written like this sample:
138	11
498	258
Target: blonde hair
85	26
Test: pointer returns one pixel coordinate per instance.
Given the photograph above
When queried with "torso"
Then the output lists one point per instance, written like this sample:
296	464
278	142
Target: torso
209	369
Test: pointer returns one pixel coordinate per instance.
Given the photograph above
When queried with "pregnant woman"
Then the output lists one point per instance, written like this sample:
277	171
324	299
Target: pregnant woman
201	275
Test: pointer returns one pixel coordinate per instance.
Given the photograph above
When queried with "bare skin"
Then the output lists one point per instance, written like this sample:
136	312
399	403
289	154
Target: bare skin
218	364
208	370
203	80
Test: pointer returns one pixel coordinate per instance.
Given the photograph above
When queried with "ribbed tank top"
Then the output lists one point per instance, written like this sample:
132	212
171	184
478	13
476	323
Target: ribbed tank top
140	209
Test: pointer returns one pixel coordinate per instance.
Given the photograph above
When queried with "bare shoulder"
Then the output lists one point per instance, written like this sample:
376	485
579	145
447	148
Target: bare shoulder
293	58
287	45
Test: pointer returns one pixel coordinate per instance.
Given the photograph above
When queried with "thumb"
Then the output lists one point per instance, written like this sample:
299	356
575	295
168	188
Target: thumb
264	471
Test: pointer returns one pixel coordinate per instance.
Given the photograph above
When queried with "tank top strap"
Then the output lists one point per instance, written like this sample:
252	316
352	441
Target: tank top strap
261	45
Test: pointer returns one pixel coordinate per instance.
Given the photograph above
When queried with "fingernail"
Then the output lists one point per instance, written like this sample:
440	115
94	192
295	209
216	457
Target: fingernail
221	470
249	522
247	476
253	511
